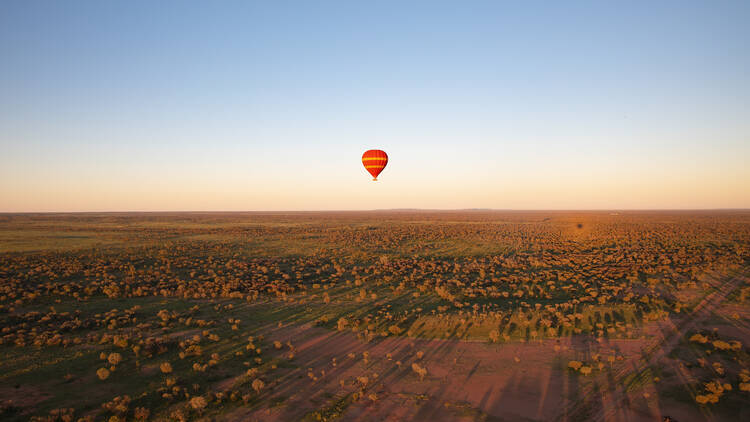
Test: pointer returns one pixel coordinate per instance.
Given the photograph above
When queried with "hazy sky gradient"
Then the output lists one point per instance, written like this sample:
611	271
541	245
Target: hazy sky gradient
268	106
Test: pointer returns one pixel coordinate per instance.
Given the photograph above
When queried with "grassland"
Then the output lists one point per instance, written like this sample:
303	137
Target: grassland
375	316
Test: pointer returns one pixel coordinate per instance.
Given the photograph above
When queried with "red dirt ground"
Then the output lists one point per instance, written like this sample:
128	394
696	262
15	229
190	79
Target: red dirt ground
465	380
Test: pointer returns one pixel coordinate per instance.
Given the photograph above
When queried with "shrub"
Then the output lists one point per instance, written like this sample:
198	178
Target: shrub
258	385
198	403
419	370
114	358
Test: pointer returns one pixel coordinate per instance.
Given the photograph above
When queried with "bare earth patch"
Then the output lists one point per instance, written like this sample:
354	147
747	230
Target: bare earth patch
22	397
464	380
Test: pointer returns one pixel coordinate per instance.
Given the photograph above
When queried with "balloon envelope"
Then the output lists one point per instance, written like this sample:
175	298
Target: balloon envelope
374	161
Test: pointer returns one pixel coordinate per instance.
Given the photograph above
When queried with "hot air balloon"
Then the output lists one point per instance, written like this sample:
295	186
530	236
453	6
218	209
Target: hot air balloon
374	161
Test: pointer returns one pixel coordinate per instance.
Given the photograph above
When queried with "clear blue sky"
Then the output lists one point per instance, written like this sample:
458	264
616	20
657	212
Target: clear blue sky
144	105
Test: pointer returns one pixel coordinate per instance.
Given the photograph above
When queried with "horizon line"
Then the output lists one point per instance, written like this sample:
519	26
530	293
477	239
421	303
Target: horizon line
376	210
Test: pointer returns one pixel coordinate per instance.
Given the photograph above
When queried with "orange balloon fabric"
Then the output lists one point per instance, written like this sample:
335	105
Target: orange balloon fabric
374	161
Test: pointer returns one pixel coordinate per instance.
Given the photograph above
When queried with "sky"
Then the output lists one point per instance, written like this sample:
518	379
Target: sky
269	105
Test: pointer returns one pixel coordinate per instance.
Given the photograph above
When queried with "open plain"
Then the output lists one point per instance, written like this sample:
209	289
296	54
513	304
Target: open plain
373	316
